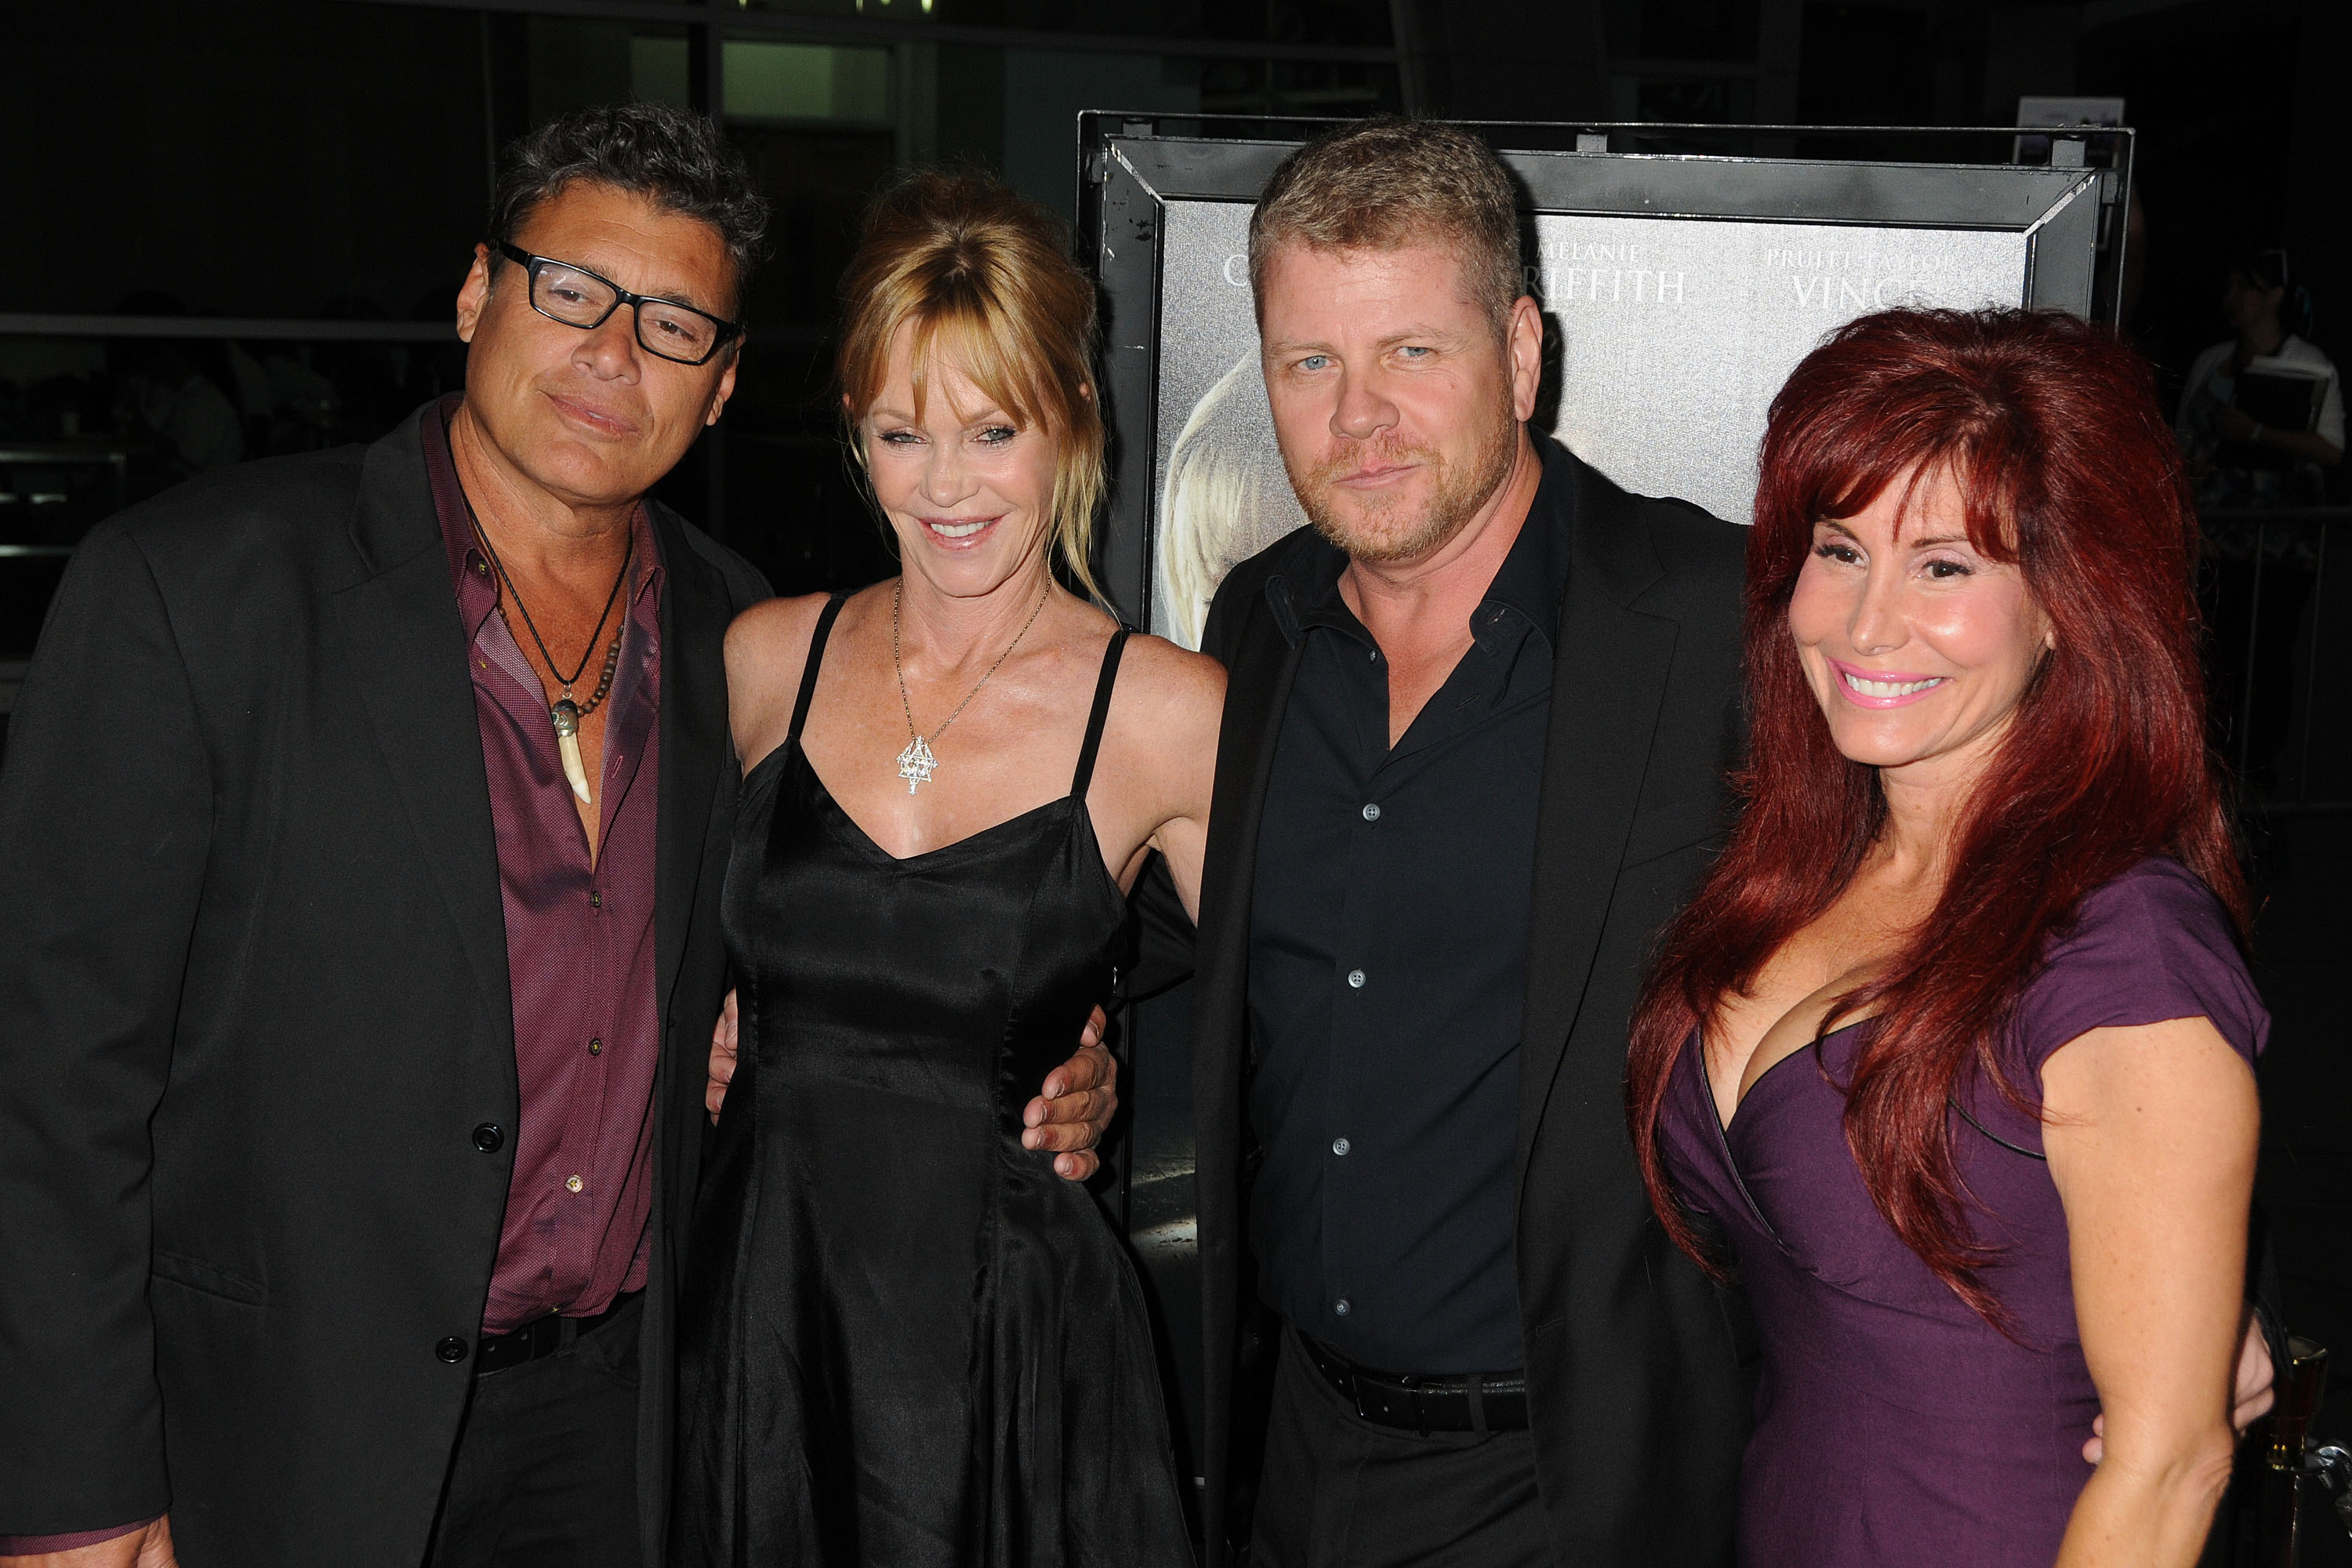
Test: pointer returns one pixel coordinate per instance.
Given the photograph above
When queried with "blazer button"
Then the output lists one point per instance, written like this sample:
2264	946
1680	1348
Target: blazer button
453	1350
489	1138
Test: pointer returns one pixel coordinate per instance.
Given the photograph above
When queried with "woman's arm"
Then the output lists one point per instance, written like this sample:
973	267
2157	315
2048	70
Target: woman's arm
1190	718
2151	1135
2304	447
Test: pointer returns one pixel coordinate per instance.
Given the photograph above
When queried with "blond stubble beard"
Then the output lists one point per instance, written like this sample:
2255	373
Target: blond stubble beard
1380	535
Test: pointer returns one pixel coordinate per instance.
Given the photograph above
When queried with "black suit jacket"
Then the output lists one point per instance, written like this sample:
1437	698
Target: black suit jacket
1637	1363
254	1000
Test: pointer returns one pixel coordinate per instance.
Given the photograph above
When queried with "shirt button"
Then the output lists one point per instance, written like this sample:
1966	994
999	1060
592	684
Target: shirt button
1355	979
1340	1307
572	1183
1371	811
489	1137
453	1350
596	1048
1341	1145
595	900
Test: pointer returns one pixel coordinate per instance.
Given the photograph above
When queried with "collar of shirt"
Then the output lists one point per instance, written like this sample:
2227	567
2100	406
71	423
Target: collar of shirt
1527	591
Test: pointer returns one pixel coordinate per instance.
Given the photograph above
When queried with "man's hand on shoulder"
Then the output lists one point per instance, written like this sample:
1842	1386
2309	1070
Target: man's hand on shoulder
148	1546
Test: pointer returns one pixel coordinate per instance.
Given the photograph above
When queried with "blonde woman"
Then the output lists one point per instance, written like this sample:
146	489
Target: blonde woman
950	779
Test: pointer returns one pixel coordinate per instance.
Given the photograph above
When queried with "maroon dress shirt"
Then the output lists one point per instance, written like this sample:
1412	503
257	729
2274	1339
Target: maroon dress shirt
580	949
579	938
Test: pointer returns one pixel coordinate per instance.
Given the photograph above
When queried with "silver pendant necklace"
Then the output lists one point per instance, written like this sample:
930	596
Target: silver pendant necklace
916	762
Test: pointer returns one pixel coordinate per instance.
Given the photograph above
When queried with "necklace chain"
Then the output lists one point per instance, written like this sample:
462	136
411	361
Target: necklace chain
916	764
611	654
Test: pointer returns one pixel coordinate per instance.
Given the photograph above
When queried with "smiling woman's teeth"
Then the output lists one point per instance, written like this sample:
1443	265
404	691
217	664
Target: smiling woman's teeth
959	530
1891	687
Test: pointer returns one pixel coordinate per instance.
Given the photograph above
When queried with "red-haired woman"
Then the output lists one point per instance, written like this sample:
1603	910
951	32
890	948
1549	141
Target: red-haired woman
1951	1055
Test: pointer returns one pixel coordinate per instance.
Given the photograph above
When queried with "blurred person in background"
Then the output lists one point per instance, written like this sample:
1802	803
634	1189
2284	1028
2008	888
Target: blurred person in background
2259	575
174	393
2236	459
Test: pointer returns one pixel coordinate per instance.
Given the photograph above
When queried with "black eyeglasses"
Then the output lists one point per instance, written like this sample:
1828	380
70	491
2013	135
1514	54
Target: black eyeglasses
566	292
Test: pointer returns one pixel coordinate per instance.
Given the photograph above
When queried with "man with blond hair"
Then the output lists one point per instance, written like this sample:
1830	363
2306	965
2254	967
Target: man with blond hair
1478	725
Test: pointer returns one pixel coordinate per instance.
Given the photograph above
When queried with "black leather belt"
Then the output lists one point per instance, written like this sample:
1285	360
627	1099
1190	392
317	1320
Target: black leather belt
541	1336
1479	1401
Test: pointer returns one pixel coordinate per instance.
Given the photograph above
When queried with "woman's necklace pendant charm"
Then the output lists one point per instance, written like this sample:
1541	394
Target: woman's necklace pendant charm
916	762
565	716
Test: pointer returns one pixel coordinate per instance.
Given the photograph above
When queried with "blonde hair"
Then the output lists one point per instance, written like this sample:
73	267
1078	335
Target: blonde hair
983	274
1386	181
1228	497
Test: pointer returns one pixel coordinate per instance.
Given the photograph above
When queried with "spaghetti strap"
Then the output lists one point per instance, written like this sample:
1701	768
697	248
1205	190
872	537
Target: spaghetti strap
1103	684
815	658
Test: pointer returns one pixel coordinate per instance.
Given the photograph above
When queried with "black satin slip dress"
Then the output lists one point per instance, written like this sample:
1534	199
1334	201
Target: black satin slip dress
904	1341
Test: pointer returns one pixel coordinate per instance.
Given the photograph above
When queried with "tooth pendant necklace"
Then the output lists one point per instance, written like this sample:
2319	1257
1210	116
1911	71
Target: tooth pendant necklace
917	763
563	714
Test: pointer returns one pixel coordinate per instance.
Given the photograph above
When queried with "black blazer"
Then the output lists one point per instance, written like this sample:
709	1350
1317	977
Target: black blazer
254	1001
1636	1362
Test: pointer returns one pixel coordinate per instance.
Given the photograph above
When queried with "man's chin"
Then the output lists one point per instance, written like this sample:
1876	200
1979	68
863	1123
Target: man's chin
587	473
1382	540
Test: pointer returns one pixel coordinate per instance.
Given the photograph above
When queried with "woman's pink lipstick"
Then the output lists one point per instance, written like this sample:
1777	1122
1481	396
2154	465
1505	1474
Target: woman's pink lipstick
1883	688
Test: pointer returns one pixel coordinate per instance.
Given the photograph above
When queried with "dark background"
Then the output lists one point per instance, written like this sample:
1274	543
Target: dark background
288	190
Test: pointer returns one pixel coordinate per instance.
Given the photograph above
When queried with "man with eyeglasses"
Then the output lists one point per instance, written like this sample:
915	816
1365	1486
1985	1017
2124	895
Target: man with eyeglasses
360	838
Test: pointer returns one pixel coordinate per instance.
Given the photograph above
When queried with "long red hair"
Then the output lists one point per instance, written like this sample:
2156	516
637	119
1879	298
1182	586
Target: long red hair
2068	470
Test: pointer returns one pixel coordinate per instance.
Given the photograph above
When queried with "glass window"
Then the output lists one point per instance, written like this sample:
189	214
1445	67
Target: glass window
843	84
661	69
1345	23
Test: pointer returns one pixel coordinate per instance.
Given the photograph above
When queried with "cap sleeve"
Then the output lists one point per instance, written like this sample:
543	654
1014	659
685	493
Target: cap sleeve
2151	945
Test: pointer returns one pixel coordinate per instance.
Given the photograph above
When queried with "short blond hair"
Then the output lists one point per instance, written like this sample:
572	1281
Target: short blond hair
960	255
1383	183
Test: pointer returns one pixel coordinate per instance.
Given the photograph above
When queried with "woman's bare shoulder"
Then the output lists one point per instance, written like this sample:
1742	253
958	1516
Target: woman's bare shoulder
774	631
767	649
1173	679
1169	704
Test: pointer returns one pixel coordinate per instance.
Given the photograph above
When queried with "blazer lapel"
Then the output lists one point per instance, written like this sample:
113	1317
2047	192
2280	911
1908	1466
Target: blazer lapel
404	652
1608	679
695	748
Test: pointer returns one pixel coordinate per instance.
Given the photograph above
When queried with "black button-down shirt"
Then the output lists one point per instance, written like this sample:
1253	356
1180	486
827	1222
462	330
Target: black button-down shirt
1388	959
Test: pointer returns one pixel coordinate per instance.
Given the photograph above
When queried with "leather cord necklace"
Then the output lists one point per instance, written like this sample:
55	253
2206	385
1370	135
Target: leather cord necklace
563	714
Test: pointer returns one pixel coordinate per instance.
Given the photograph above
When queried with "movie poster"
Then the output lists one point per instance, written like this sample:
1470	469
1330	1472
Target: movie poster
1674	335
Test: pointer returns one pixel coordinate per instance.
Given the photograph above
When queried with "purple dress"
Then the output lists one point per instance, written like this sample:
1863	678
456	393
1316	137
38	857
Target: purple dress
1893	1424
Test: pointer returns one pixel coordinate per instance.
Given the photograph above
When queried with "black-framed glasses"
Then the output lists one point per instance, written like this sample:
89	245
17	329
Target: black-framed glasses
567	292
